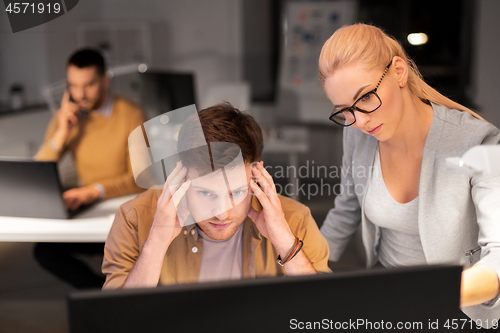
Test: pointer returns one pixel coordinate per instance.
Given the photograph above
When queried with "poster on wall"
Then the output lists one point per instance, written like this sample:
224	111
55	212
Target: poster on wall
307	25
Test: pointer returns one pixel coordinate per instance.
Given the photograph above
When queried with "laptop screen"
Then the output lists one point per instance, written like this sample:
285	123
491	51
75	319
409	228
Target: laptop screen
30	189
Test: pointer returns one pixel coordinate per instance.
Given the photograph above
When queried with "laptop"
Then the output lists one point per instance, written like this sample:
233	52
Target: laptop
31	188
361	301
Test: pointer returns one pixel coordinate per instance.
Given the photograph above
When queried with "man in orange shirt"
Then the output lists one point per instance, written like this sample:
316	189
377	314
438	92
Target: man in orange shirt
94	126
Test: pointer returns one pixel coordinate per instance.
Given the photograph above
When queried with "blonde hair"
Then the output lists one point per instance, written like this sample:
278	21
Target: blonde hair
372	47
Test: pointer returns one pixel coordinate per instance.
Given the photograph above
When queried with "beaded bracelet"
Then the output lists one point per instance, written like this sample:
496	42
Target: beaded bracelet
297	246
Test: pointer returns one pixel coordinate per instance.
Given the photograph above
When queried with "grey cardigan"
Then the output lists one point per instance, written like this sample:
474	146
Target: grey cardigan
456	213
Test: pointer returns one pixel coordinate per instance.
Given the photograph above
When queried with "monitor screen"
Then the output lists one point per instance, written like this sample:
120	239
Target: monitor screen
377	299
155	91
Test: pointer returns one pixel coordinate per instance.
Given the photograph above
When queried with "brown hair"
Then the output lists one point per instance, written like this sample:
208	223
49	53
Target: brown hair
88	57
220	123
373	48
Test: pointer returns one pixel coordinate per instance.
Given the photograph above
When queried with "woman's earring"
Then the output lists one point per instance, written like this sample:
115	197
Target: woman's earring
402	84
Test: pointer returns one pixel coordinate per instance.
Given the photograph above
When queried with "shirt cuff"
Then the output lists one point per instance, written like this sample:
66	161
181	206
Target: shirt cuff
100	188
493	301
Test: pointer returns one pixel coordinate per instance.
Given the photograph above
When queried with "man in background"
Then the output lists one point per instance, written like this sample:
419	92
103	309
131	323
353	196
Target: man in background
93	125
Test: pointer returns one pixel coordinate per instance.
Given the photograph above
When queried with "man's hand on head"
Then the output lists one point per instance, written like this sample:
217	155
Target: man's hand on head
76	197
166	226
272	224
271	220
168	219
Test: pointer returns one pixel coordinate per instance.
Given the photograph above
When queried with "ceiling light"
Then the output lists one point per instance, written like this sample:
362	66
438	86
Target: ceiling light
417	38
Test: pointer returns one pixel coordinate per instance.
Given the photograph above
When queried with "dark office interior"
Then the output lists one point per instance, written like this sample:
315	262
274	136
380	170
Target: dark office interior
208	51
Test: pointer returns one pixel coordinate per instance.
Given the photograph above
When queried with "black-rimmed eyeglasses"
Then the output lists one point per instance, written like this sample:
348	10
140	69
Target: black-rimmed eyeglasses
367	103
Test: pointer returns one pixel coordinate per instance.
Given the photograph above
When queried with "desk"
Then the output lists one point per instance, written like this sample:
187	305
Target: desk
91	225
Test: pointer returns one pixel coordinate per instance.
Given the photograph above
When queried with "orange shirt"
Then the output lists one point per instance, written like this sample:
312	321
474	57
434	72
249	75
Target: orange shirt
100	148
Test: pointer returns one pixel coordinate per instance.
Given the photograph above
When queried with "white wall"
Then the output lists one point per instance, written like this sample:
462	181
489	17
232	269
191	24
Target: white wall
61	36
37	56
486	69
22	59
196	35
195	27
200	35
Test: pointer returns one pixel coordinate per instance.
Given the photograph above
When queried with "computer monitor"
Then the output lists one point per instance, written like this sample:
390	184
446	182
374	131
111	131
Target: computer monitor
376	299
156	91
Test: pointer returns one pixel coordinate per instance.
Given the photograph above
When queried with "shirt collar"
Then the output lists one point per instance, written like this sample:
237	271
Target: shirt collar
106	108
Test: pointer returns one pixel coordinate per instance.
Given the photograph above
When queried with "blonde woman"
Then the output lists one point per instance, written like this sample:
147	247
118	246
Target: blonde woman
397	133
